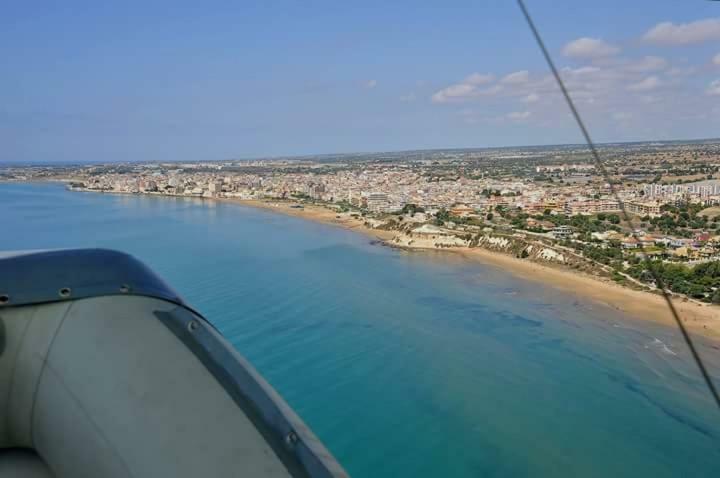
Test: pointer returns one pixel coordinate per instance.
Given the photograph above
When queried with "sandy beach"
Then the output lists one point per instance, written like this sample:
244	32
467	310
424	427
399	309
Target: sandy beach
701	319
316	213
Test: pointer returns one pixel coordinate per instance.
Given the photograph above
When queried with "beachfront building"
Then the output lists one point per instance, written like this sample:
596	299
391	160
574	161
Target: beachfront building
215	188
573	208
562	232
651	209
428	230
377	202
461	210
630	243
540	207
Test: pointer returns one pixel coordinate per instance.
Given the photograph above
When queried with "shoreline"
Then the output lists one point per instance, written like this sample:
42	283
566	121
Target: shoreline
700	319
314	213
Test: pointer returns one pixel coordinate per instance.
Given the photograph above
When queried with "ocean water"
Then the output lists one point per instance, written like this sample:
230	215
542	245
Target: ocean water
408	364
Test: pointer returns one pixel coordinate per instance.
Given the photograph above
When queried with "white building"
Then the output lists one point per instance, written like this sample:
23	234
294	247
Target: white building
215	187
377	202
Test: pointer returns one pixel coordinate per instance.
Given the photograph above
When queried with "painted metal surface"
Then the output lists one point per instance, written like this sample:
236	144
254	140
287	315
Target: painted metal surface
294	443
50	276
30	278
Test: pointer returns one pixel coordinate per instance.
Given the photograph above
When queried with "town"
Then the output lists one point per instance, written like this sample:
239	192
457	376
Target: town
544	203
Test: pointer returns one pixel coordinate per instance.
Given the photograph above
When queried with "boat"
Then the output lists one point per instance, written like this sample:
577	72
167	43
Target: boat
105	371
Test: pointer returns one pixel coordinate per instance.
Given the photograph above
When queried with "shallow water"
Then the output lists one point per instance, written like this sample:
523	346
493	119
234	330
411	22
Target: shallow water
408	364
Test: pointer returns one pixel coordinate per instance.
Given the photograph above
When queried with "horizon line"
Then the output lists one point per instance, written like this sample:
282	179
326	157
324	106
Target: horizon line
297	157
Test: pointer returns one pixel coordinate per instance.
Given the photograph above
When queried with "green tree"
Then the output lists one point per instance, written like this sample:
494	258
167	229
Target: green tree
411	209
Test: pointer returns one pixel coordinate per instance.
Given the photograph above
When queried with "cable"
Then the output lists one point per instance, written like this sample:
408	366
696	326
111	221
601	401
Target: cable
601	167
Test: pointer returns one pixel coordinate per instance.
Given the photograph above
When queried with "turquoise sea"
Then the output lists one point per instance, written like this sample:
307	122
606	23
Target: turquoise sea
408	364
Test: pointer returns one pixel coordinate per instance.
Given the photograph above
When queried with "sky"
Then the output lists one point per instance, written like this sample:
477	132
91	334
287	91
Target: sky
191	81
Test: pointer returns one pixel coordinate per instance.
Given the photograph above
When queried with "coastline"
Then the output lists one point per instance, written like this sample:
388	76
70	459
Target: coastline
314	213
700	319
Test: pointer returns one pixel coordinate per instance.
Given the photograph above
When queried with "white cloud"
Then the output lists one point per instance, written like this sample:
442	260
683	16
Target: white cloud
459	91
518	115
479	79
714	88
648	64
644	85
469	88
649	83
517	78
410	97
463	91
622	88
369	84
492	91
584	70
589	48
668	33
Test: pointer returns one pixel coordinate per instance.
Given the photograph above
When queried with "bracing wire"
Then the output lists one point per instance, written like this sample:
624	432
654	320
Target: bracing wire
626	218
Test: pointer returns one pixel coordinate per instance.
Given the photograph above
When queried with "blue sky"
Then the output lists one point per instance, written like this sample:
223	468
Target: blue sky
122	81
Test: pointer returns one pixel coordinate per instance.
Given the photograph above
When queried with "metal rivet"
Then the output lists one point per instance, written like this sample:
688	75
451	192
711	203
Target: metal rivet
65	292
124	288
291	438
4	299
193	325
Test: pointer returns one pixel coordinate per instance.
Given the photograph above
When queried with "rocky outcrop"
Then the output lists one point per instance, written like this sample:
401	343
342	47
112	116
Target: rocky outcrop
515	245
